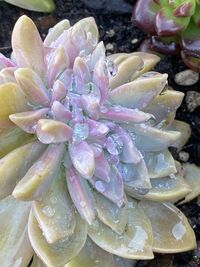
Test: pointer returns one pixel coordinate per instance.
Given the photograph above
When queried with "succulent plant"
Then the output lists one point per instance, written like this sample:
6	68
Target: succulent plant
85	169
173	26
35	5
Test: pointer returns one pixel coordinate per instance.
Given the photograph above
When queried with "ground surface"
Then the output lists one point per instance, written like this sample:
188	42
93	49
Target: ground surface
116	30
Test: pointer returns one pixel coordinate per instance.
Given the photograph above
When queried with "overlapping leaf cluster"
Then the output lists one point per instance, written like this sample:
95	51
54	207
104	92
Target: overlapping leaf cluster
86	175
173	26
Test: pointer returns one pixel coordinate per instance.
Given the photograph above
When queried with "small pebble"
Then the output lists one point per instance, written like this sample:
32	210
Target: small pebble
186	77
110	47
192	100
110	33
134	41
183	156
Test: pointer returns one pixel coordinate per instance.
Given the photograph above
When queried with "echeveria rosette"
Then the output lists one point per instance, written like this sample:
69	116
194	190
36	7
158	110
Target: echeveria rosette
85	170
173	26
35	5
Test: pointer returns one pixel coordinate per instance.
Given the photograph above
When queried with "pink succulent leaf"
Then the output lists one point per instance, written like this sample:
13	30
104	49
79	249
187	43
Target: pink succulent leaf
81	71
32	86
91	105
122	114
59	91
97	129
67	78
97	149
99	52
130	153
101	79
82	157
6	62
28	120
114	190
184	10
81	195
60	112
58	64
51	131
102	168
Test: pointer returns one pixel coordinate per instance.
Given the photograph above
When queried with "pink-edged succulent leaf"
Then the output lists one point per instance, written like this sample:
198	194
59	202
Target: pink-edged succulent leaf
81	195
51	131
28	120
28	50
102	168
82	157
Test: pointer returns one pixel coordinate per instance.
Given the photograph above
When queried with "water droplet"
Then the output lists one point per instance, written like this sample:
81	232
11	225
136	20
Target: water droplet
117	108
83	204
81	131
100	186
178	231
48	211
103	109
111	67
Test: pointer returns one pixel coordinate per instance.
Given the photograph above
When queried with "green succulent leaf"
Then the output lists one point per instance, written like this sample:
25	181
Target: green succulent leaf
35	5
60	253
136	240
171	230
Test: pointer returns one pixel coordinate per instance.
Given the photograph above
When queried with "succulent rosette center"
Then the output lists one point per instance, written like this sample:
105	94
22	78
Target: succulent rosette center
87	139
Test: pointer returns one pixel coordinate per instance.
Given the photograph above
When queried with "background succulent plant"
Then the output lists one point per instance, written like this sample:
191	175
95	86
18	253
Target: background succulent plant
173	26
85	169
35	5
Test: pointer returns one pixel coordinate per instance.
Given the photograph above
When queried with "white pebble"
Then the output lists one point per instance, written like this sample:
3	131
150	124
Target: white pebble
187	77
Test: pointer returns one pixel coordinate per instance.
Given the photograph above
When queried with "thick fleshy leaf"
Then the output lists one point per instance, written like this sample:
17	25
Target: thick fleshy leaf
149	61
81	195
28	120
81	72
138	93
35	5
168	189
15	248
98	52
171	230
114	190
101	78
192	177
15	165
13	138
91	255
59	91
157	139
135	175
82	157
60	112
102	168
134	243
27	46
51	131
54	212
160	164
185	131
12	100
56	31
62	252
32	86
164	104
125	70
122	114
58	63
108	212
40	176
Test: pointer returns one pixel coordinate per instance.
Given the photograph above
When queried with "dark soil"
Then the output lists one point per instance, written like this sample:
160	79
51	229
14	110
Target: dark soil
116	30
